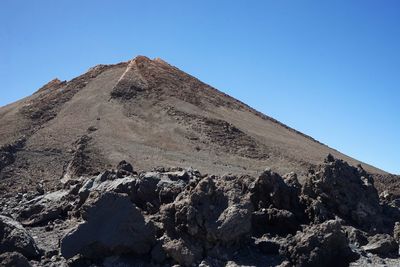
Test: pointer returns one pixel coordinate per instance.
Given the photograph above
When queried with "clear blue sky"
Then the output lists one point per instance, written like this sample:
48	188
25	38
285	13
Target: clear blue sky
330	69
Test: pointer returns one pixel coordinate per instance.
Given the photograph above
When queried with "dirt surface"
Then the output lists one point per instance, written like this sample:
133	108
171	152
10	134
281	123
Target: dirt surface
150	113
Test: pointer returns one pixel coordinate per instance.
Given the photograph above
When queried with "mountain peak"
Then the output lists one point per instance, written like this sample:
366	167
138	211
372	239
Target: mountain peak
53	84
141	59
152	114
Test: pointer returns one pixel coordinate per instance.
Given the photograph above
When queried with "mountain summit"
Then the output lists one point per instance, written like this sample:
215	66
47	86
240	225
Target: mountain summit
152	114
70	197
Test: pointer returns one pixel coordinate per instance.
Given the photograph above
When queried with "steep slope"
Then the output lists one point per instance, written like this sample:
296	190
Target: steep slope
149	113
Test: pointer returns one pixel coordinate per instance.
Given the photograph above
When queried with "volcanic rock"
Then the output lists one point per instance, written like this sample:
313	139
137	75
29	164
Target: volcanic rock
337	188
124	169
277	204
14	238
45	208
113	226
148	190
216	210
382	244
13	259
184	253
320	245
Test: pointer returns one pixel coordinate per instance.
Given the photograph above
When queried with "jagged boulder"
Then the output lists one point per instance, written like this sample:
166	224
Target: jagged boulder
13	259
156	188
14	238
113	226
185	253
125	169
125	166
45	208
271	190
215	212
382	244
355	236
105	181
148	190
277	204
320	245
217	209
338	189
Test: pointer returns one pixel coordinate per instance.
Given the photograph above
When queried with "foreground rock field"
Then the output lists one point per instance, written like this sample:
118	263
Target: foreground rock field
181	217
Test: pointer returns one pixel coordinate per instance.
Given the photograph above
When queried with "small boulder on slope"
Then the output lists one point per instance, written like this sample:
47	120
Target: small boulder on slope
113	226
14	238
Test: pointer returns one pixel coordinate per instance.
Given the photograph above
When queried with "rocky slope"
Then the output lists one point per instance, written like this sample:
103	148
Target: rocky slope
179	216
147	112
64	203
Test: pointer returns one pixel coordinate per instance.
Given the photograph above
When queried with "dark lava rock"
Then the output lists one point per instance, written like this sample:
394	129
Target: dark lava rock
183	252
148	190
337	188
277	204
271	189
216	210
178	216
124	168
14	238
274	221
113	226
45	208
13	259
268	246
320	245
356	237
382	244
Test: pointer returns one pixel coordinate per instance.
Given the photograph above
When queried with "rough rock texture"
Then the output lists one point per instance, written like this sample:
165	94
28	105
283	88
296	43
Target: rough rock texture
229	138
382	244
321	245
171	216
14	238
277	204
274	221
217	211
337	188
45	208
113	225
8	151
13	259
148	191
182	252
214	210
